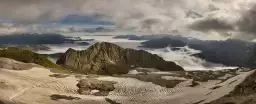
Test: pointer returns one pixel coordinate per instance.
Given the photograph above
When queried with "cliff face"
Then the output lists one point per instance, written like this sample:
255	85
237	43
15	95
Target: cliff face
108	58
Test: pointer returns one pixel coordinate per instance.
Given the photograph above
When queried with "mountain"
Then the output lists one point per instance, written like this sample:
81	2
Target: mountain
28	38
108	58
229	52
174	41
30	47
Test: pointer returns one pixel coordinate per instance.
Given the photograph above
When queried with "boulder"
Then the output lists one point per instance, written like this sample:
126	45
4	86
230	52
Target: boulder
87	86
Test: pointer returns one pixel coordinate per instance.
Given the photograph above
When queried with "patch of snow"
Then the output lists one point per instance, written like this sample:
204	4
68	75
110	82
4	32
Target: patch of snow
94	91
134	72
173	78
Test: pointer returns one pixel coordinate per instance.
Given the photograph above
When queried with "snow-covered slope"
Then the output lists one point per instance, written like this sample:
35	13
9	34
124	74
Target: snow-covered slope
38	86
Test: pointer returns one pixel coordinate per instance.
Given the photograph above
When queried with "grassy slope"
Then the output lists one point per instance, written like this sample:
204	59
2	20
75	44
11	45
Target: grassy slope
27	57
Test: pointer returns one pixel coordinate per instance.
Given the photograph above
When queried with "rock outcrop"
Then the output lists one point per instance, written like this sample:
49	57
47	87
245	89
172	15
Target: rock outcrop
108	58
86	86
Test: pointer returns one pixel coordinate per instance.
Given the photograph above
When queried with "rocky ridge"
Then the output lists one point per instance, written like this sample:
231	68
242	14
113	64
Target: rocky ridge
108	58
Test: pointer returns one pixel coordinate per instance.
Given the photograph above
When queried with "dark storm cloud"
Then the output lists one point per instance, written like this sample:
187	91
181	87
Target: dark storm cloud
244	27
37	10
247	22
211	24
122	12
149	22
162	16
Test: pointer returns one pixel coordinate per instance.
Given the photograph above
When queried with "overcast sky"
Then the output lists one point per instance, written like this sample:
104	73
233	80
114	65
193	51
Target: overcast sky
224	17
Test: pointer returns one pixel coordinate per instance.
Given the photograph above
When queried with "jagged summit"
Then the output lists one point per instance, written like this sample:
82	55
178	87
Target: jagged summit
109	58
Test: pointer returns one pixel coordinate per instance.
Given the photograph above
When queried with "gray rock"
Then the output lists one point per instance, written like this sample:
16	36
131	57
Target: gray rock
87	85
59	97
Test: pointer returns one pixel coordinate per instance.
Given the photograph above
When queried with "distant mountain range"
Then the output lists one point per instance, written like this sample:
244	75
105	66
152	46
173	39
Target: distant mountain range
230	52
33	41
34	38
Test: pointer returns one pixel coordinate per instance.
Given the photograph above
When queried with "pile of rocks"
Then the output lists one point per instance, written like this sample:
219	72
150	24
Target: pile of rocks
95	87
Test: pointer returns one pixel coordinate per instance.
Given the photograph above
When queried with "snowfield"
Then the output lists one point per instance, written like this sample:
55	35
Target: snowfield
36	86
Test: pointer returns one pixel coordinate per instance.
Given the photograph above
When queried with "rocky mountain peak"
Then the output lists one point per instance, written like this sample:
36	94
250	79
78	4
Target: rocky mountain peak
109	58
